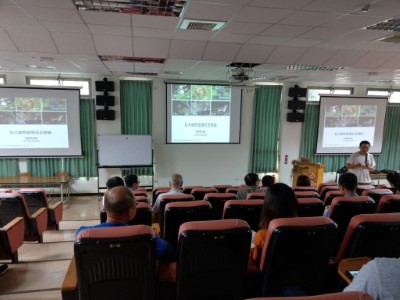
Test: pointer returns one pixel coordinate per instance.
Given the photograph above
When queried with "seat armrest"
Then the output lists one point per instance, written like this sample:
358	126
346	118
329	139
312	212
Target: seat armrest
39	220
14	231
56	212
11	224
69	288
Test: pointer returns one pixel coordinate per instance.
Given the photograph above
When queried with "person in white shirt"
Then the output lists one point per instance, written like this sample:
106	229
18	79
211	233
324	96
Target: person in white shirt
361	163
176	188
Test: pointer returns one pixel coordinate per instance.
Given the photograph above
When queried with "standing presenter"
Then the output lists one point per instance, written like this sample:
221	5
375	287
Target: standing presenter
361	163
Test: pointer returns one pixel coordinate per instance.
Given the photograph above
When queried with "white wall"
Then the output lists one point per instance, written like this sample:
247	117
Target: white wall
199	164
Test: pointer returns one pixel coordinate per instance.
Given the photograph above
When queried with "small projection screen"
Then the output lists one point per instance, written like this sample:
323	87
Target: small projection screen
203	114
345	121
36	122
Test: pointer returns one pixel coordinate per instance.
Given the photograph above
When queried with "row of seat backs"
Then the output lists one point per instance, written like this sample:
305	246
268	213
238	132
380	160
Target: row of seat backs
331	296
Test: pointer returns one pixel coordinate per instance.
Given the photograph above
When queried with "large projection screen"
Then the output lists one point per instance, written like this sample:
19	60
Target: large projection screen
37	122
345	121
203	114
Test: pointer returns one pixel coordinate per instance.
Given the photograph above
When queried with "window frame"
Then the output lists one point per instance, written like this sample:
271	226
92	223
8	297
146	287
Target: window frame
388	90
4	79
331	91
88	80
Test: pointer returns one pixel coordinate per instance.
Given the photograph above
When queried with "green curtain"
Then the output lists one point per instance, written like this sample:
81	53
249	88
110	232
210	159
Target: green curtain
85	166
9	167
266	121
136	114
44	166
389	159
390	148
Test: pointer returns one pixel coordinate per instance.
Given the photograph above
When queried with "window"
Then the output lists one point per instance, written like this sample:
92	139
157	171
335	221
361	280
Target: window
394	96
2	79
83	84
313	93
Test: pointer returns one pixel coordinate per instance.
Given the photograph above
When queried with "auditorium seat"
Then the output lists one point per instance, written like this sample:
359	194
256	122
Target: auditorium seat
141	199
304	189
247	210
212	259
376	194
188	189
331	296
325	189
13	205
140	193
11	238
325	185
217	201
116	263
232	190
177	213
167	199
343	209
372	235
199	192
36	198
160	190
306	194
222	187
143	214
255	195
296	254
310	207
5	190
330	195
389	204
361	187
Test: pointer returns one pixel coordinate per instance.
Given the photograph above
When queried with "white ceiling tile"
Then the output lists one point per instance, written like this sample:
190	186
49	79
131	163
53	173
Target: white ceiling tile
53	14
106	18
315	56
286	30
291	4
182	49
262	15
153	32
211	11
254	53
110	30
74	43
339	6
268	40
150	47
193	35
231	37
285	55
303	42
308	18
6	43
325	32
354	21
393	63
245	27
47	3
373	59
216	51
389	8
364	35
65	27
345	57
113	45
155	22
239	2
34	40
174	64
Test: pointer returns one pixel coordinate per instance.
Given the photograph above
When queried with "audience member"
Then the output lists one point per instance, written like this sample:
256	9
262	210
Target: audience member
120	205
252	182
132	182
279	202
394	180
268	180
113	182
361	163
303	180
379	278
175	183
347	186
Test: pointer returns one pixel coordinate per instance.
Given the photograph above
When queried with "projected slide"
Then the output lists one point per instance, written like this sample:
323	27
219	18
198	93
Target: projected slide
203	114
35	122
345	121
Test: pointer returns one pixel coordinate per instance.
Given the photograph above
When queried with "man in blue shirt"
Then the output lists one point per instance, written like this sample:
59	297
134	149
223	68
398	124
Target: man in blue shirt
120	205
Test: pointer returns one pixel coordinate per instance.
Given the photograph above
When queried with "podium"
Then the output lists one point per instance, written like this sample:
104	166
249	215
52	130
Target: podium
314	171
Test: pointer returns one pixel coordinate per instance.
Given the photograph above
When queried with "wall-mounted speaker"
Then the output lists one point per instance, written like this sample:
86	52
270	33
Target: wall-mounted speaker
297	92
103	114
296	104
295	117
104	86
105	100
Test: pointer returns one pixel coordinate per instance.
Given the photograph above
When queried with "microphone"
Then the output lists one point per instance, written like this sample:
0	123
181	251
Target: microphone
366	158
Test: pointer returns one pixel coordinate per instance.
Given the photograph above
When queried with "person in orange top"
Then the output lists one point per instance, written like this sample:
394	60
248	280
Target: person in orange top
279	202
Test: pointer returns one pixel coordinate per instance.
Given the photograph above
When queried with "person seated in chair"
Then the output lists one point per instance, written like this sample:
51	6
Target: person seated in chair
120	205
347	186
303	180
132	182
113	182
252	181
175	183
268	180
279	202
394	180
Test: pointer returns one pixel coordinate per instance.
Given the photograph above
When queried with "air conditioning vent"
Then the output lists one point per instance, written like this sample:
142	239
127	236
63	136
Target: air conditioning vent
392	25
188	24
395	38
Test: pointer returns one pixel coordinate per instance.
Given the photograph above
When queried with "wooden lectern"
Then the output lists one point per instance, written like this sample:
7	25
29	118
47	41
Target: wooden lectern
314	171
